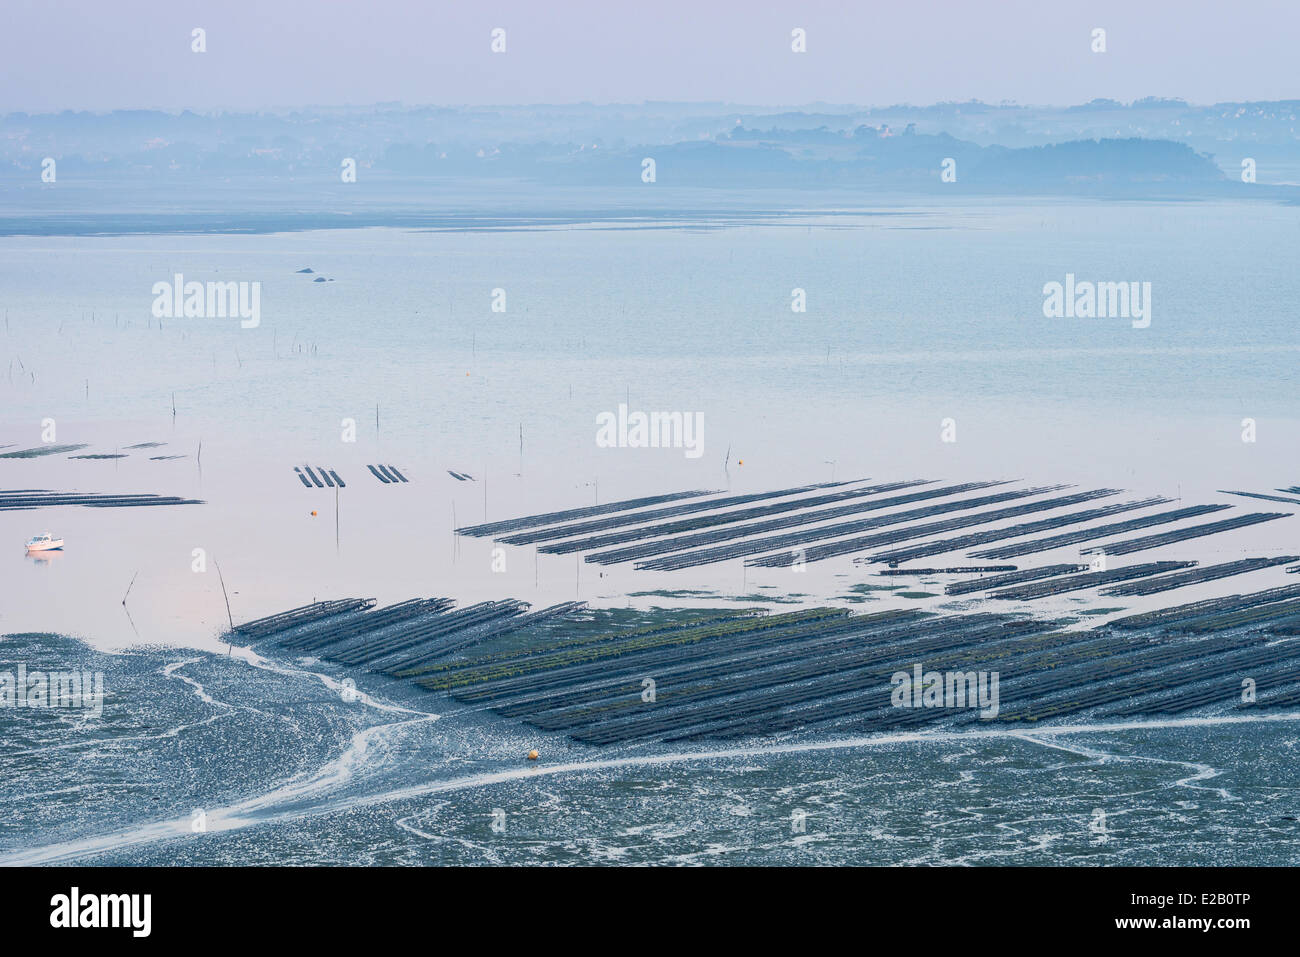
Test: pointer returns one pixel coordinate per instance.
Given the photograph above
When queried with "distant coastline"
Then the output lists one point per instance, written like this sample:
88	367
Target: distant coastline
137	205
138	171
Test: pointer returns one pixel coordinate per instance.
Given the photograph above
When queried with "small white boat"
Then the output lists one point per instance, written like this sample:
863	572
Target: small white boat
44	543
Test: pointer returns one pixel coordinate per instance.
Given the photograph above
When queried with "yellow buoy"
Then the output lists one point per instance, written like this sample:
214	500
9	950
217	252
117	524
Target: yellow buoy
532	755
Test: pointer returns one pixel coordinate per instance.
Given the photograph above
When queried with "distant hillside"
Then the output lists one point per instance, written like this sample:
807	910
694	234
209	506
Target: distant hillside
1151	147
884	158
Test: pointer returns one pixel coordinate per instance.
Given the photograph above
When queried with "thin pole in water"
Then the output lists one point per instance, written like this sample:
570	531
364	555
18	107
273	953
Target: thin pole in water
226	595
129	587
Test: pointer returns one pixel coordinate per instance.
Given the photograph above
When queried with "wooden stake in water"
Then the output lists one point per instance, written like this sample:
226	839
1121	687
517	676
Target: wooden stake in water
225	594
129	587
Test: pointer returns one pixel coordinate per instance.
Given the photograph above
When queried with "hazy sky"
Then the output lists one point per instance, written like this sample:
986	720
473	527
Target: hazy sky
108	54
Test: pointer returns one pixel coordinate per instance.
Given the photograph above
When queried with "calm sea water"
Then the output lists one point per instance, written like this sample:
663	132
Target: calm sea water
915	314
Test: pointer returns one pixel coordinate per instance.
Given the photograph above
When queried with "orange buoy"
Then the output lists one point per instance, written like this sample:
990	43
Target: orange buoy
532	755
313	514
